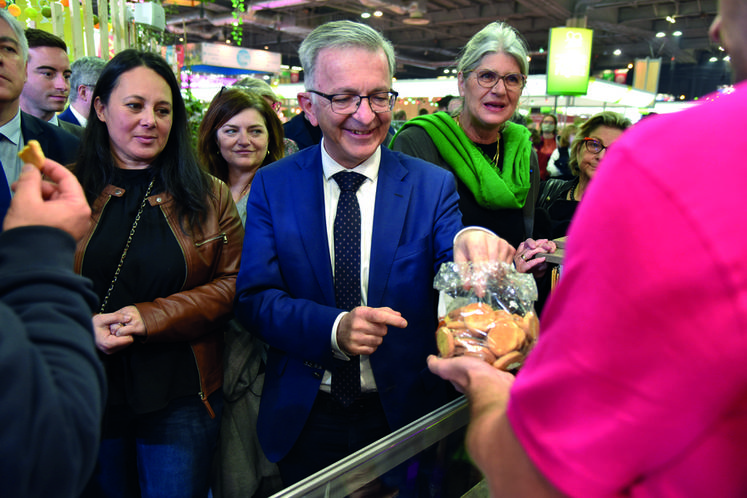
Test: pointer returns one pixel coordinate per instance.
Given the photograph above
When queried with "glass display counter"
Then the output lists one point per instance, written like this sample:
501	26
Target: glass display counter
426	458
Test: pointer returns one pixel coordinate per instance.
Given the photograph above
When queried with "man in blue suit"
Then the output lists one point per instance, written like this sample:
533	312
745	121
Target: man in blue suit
17	127
286	290
85	73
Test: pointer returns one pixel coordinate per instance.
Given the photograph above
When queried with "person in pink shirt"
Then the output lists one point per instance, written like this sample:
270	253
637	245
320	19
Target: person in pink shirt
637	386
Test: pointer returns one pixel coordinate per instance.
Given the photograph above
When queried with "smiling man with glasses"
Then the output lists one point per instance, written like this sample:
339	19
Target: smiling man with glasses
338	281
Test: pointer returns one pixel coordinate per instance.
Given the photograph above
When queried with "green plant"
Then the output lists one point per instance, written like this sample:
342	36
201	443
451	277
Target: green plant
237	31
195	113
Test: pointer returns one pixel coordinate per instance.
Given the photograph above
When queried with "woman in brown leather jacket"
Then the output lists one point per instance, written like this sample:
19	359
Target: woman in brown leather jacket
163	251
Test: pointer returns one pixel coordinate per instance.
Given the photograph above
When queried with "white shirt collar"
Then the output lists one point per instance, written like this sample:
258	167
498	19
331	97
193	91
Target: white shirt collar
368	168
83	121
12	129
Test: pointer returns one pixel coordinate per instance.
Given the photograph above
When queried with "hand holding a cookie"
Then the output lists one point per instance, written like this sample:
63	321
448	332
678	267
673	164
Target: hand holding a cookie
362	330
59	203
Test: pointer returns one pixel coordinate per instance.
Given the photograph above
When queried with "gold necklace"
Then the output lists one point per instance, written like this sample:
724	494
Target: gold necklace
497	154
245	189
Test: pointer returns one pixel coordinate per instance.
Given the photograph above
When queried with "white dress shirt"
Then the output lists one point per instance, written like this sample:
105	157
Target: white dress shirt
366	199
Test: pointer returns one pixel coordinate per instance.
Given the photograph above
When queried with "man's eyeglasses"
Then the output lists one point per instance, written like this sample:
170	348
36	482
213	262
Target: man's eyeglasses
594	146
346	104
488	79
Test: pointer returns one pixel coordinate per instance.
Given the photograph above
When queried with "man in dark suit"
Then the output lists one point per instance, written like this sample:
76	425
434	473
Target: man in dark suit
290	289
17	127
85	74
47	79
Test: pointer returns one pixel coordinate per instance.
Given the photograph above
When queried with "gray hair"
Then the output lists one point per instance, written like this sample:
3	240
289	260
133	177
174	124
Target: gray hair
341	34
258	86
18	30
85	71
496	37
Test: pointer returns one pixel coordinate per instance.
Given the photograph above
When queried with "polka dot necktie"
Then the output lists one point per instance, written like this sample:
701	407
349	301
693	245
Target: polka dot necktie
346	383
4	195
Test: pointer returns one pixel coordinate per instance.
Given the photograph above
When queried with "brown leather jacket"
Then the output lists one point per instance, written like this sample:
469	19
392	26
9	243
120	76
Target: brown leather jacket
199	312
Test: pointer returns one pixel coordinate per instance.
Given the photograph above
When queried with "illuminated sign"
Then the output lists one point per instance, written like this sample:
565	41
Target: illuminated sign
568	61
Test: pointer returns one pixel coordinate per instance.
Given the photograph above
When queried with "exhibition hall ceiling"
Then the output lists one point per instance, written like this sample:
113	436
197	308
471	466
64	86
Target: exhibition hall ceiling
427	36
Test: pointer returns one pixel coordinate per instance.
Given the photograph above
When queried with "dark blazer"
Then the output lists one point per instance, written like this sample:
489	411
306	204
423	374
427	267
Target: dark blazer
70	127
67	115
285	289
56	143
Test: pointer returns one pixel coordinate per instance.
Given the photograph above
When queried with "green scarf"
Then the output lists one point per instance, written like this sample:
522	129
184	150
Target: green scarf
492	187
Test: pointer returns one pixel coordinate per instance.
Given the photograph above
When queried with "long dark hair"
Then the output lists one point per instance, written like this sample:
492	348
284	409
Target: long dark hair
227	104
176	167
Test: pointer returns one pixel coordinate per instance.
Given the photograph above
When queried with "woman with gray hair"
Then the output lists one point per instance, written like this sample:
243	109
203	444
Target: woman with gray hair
492	158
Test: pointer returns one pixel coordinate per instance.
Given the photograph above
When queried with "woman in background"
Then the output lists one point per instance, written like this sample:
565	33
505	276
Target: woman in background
264	90
559	198
549	131
557	166
163	251
239	133
492	158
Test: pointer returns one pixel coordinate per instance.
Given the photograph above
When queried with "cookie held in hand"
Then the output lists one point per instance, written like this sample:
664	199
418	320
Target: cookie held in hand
32	153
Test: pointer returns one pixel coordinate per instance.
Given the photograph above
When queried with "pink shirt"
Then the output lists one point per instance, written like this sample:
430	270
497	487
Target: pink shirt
638	384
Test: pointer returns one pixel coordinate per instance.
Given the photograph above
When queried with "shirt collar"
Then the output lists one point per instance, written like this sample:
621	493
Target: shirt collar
368	168
83	121
12	129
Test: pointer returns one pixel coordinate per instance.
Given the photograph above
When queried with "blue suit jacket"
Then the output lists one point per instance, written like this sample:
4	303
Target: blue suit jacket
67	115
285	289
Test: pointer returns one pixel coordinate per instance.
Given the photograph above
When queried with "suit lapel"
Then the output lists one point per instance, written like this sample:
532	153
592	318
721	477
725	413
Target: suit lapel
392	199
308	198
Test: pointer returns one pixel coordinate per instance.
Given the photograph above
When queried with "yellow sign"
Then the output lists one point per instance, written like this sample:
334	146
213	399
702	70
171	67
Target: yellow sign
568	61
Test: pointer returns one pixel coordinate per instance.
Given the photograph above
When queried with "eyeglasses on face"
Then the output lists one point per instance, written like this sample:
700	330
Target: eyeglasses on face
594	146
488	79
346	104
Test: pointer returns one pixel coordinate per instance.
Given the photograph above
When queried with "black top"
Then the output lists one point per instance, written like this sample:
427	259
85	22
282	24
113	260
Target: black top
563	164
554	210
510	224
145	377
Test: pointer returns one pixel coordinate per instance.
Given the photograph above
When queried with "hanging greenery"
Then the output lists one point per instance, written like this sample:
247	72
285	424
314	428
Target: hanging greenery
237	31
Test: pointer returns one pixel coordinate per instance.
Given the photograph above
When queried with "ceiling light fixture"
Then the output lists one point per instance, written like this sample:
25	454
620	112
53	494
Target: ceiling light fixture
378	13
365	15
677	33
617	51
661	34
671	19
414	20
713	59
727	58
